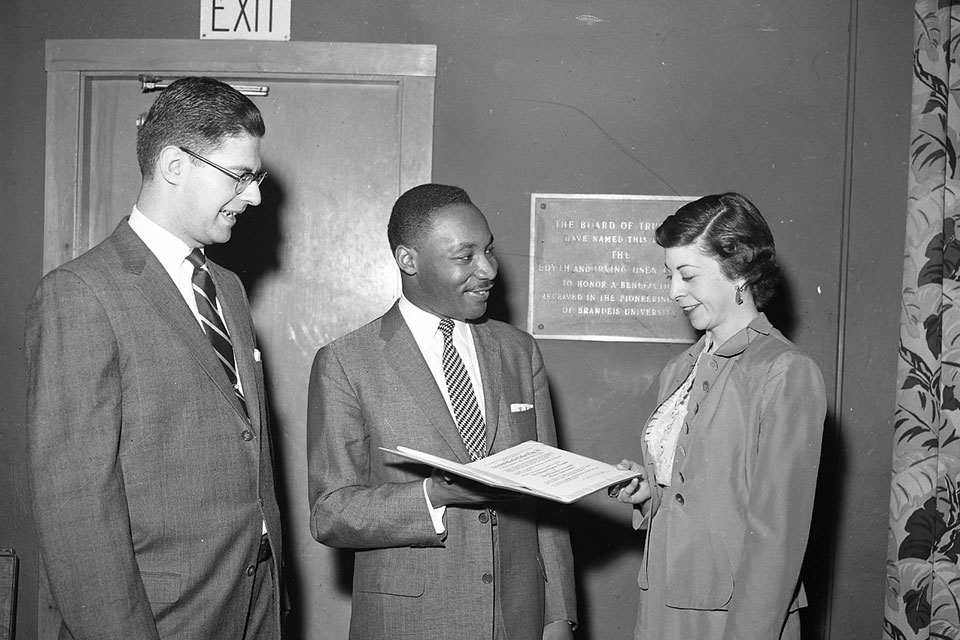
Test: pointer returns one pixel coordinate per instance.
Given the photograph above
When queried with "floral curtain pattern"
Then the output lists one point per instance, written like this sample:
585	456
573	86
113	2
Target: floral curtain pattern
923	572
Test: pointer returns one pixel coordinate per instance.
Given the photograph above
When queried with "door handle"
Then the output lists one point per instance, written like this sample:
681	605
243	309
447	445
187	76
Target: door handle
150	83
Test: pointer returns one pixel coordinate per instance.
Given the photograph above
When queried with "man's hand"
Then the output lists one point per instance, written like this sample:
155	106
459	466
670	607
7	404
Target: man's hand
447	489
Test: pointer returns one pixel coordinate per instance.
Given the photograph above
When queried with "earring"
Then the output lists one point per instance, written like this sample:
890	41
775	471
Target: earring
739	296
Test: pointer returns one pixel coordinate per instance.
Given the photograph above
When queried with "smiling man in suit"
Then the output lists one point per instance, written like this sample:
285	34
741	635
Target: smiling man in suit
437	557
149	456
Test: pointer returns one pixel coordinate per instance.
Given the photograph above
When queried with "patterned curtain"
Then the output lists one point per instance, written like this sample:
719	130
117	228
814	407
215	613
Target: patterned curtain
923	574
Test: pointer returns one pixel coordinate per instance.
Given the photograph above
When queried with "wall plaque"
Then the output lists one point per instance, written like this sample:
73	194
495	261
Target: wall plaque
596	272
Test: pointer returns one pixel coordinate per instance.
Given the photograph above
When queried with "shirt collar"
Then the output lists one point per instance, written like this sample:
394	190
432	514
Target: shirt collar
170	250
424	325
738	342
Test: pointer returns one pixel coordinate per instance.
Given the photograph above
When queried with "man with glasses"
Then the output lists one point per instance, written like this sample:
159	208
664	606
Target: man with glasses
149	454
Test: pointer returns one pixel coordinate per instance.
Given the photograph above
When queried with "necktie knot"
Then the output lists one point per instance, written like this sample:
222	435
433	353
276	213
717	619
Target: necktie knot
196	258
446	327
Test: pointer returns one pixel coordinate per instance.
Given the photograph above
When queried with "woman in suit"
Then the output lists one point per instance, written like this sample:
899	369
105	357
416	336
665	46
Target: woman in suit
730	455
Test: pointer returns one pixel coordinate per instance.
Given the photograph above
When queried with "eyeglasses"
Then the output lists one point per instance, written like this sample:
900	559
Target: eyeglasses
243	180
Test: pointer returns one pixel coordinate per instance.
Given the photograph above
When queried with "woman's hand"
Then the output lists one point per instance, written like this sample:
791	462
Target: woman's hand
636	491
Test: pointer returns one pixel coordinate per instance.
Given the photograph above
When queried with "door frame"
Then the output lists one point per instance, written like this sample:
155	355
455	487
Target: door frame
69	62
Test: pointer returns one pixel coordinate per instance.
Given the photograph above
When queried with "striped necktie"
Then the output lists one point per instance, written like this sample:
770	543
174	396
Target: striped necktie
465	408
211	321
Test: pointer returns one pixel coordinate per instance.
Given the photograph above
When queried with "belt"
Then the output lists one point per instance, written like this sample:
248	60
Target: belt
264	553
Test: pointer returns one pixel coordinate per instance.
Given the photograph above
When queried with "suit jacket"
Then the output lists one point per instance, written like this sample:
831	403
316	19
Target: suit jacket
729	532
372	388
149	484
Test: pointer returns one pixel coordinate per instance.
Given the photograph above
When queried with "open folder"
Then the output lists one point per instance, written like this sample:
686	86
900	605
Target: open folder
531	467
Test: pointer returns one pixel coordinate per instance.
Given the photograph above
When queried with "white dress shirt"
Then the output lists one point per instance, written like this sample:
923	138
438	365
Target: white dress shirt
425	328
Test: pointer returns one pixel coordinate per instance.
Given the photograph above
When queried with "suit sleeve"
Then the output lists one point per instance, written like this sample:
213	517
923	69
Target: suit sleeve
74	409
350	507
782	487
554	538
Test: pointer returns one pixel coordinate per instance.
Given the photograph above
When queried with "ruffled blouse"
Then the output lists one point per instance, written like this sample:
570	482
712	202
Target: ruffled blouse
663	428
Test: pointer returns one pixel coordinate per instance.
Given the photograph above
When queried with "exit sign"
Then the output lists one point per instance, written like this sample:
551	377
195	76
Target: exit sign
245	19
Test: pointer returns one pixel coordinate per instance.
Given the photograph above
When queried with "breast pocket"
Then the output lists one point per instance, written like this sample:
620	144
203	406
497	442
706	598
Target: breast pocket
522	424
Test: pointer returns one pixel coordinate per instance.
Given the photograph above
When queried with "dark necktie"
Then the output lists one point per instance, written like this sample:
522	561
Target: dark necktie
213	325
464	401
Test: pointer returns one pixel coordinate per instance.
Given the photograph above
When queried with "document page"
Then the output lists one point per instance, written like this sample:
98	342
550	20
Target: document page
534	468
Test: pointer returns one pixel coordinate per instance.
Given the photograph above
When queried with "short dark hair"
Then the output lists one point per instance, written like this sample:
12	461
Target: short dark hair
197	113
729	228
412	213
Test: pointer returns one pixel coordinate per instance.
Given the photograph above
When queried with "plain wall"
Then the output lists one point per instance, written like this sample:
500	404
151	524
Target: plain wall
859	483
803	106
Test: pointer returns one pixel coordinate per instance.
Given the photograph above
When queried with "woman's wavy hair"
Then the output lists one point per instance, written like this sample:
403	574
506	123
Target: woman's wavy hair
729	228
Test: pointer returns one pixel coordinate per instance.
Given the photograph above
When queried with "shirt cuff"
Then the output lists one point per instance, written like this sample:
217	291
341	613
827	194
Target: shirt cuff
436	513
570	623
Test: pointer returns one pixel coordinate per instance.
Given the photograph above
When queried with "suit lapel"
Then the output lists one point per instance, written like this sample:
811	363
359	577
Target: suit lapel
234	306
491	372
402	353
158	289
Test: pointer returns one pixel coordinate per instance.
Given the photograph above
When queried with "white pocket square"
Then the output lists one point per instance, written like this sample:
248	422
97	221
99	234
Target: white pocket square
520	406
256	354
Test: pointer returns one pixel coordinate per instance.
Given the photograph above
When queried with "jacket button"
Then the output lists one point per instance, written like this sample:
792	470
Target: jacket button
483	517
680	476
252	569
247	435
713	365
679	499
706	385
487	578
